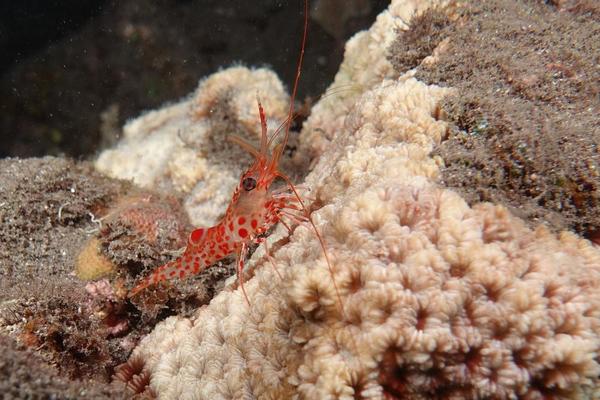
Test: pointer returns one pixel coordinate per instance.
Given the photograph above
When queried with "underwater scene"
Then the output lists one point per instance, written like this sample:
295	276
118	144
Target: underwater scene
326	199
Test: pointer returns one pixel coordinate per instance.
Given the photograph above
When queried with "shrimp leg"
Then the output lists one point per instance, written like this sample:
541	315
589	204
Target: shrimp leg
263	240
242	252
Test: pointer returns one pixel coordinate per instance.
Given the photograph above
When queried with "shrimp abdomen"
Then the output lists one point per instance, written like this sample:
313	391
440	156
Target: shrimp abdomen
172	269
205	247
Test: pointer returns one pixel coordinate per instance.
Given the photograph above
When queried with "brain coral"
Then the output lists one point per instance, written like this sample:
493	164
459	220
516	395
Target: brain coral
440	300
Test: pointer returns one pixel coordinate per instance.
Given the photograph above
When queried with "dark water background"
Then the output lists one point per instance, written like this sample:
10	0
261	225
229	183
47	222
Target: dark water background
72	72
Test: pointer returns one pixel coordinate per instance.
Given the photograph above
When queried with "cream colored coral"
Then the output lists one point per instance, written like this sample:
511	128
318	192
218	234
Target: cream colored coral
440	300
184	146
434	293
365	65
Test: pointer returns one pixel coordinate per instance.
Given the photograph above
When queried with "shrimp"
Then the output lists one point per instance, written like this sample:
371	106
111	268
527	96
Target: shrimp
255	206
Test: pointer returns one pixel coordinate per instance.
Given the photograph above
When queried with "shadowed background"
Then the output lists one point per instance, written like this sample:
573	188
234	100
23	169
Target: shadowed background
72	72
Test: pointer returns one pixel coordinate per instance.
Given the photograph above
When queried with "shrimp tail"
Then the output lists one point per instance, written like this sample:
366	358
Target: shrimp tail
201	252
158	275
180	268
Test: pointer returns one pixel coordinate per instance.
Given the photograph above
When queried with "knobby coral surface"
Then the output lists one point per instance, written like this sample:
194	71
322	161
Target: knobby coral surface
365	65
440	300
436	299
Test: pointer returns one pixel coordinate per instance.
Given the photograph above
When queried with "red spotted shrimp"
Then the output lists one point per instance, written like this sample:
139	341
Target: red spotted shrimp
255	206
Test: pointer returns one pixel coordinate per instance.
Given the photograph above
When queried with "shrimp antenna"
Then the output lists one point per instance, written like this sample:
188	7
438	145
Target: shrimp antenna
264	139
321	241
280	149
244	145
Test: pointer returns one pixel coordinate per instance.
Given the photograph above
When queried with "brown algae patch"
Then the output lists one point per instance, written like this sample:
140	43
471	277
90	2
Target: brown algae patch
58	217
526	130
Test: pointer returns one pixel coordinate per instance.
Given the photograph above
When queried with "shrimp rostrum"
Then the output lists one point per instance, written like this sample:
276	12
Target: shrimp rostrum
255	207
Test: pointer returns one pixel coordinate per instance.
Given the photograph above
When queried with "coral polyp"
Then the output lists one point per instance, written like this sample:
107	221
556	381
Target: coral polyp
135	376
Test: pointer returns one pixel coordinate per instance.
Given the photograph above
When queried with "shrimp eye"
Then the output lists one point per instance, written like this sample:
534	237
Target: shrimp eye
249	184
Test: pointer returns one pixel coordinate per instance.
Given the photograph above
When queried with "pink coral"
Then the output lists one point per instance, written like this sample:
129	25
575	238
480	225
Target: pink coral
106	304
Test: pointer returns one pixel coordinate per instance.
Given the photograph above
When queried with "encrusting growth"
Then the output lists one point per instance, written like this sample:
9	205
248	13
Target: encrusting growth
91	263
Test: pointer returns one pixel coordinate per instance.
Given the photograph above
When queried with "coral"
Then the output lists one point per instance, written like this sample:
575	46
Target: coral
365	65
70	336
412	46
183	146
133	374
45	205
518	92
438	299
152	218
107	304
